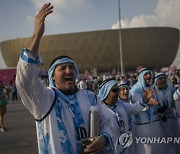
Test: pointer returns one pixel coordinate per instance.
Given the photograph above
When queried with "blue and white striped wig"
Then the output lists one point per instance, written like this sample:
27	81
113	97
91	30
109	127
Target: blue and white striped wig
159	75
142	72
105	88
60	60
123	84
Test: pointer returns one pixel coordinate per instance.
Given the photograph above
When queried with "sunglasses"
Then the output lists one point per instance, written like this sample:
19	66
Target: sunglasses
115	90
162	78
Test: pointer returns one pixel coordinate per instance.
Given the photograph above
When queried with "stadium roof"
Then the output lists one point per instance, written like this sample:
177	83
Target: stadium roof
152	47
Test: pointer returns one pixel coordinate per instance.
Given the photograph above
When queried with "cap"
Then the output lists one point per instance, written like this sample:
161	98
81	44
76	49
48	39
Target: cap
94	108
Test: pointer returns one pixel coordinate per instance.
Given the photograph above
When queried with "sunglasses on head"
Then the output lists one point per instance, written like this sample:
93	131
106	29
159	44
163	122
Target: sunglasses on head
115	90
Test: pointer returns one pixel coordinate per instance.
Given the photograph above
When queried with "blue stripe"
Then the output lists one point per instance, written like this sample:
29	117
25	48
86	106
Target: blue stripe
148	114
142	102
107	136
27	59
66	146
44	140
129	116
137	118
92	97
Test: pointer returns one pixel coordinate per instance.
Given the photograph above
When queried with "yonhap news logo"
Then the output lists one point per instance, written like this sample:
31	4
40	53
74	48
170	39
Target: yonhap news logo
157	140
126	140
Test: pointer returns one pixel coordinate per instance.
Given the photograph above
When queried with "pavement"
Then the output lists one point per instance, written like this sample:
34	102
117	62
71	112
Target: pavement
21	135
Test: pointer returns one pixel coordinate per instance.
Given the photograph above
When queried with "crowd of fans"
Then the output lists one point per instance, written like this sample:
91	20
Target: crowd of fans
92	82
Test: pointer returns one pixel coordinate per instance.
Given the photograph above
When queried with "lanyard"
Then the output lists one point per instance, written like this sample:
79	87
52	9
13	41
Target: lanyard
118	117
159	93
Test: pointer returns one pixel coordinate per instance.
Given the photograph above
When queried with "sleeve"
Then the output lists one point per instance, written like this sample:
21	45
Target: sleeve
105	126
136	107
139	102
176	95
35	96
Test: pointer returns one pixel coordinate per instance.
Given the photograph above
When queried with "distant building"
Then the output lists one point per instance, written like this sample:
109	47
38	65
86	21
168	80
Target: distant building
152	47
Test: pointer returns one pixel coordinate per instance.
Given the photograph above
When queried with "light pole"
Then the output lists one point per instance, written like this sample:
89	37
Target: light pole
120	40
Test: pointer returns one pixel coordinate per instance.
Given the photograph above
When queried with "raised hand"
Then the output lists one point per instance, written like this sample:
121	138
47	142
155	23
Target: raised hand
148	94
40	18
39	28
148	97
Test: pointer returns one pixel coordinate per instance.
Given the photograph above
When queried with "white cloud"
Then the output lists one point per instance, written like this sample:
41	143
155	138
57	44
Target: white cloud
62	4
59	7
166	13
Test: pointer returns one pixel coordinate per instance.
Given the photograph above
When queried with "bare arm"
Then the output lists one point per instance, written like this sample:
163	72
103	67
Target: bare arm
39	27
35	96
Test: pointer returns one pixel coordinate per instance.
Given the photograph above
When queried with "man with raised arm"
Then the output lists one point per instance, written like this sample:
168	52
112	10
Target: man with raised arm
61	110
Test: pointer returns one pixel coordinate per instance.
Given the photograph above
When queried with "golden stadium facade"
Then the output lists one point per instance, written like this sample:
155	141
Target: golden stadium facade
151	47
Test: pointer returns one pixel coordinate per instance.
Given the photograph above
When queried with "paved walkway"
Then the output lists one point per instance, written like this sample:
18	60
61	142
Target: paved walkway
21	135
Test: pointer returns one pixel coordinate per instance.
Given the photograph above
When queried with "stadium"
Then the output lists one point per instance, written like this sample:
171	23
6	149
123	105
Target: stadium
152	47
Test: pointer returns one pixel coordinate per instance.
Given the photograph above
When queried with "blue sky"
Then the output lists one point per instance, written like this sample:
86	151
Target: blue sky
17	17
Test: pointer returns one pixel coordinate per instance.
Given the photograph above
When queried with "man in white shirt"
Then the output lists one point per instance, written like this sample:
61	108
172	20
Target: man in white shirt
61	110
120	112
